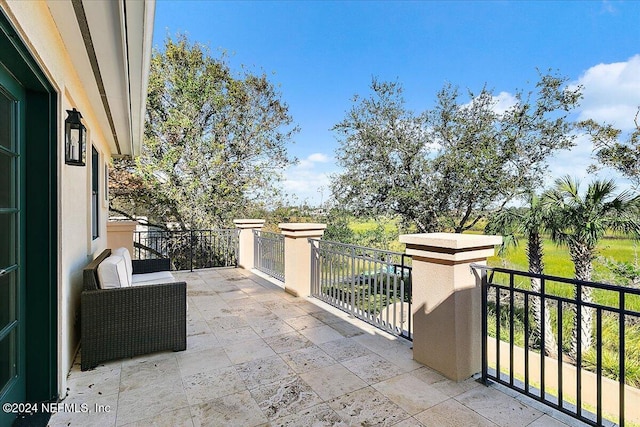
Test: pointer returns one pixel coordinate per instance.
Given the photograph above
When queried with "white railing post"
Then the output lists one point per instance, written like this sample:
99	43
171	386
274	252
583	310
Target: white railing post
446	301
246	255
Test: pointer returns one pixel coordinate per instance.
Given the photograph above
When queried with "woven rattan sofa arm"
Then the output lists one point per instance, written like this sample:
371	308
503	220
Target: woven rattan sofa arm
141	266
90	272
126	322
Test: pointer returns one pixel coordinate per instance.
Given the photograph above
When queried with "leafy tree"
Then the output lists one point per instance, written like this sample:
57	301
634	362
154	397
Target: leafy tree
131	197
624	273
384	151
338	229
624	156
449	166
284	213
377	237
529	222
579	221
213	145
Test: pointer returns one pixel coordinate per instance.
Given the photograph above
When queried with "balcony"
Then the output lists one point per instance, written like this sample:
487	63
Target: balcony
257	356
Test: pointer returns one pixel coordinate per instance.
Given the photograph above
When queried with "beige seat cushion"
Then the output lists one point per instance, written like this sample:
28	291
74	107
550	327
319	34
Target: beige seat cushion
153	278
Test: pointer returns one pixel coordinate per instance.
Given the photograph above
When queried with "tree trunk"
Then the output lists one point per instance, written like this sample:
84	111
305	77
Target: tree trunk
581	256
536	266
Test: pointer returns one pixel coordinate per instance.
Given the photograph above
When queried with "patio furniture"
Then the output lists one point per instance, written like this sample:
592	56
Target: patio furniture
131	320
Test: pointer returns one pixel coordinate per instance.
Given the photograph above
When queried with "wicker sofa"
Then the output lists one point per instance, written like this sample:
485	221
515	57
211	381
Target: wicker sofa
130	321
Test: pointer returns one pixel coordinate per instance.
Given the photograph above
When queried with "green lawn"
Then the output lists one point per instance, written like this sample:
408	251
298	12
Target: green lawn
557	260
361	225
364	228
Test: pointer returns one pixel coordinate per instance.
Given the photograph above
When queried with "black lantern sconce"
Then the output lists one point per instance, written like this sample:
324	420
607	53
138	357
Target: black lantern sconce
75	139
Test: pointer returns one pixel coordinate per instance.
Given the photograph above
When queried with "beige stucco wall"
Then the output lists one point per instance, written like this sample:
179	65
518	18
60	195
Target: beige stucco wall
33	21
120	234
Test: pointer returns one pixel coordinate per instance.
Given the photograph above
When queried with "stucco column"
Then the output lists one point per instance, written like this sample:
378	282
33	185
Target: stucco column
245	240
297	255
446	302
120	234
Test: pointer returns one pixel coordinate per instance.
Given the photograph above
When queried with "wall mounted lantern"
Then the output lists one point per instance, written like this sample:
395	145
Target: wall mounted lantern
75	139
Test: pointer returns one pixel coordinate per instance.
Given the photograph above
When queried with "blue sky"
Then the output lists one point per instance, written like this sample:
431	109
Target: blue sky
322	53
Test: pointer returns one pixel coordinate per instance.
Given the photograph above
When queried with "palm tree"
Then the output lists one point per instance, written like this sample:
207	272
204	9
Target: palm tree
579	221
512	222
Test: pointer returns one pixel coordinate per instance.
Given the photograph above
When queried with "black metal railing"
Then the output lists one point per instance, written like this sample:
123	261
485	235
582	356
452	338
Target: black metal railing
190	249
269	253
570	344
374	285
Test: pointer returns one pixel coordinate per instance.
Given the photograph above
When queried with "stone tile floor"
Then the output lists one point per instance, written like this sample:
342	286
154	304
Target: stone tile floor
257	356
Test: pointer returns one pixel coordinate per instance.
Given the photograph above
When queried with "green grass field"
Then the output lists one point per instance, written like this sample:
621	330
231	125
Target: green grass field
391	229
557	260
362	226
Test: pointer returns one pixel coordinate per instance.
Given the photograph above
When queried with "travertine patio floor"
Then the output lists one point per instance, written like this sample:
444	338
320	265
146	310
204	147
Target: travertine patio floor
259	357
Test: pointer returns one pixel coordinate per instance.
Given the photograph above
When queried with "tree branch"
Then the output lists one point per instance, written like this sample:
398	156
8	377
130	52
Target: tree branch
132	218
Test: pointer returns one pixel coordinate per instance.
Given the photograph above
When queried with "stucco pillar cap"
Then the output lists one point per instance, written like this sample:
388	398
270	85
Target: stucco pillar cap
302	229
249	223
121	225
452	247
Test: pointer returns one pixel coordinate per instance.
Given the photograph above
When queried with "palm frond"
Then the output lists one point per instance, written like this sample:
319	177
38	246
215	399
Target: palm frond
584	218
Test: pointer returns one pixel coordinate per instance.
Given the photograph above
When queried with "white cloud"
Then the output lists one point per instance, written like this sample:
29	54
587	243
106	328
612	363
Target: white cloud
310	161
612	92
576	162
309	179
318	157
572	162
503	102
611	95
305	184
500	103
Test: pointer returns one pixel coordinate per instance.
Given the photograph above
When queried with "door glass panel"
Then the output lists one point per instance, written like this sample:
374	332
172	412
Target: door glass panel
12	333
6	108
7	240
7	359
7	299
9	213
6	178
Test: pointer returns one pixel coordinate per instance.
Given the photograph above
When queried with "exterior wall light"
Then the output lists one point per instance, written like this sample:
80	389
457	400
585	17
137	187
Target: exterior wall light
75	134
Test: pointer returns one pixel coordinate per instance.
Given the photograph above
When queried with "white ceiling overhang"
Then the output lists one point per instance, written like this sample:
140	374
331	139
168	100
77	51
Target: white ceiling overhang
109	43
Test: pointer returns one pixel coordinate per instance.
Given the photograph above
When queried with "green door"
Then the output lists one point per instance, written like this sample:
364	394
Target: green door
12	334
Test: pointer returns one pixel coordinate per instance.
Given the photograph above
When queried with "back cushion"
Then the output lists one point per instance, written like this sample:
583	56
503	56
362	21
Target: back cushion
124	253
112	273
